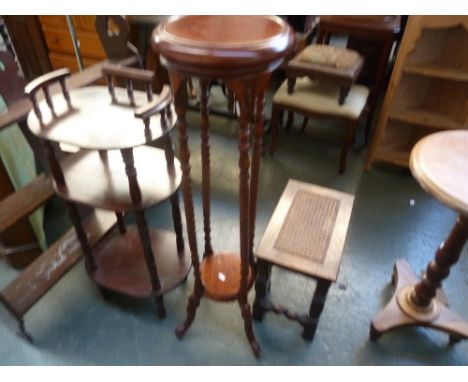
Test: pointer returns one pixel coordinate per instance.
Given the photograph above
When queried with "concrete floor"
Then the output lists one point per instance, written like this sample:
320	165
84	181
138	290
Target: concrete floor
73	325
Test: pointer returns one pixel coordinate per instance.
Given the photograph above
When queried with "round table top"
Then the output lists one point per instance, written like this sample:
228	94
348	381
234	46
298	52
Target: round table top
439	162
223	45
95	122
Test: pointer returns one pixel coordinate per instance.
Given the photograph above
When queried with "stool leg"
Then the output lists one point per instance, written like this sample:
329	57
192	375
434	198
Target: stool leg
274	128
316	308
351	126
290	120
262	289
304	124
281	118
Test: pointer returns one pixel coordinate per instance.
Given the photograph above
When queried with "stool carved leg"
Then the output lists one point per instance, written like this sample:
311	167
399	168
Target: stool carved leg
417	302
180	101
262	289
350	134
289	121
316	309
305	120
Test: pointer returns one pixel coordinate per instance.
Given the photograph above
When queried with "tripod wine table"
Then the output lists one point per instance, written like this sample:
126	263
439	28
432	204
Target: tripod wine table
242	51
439	162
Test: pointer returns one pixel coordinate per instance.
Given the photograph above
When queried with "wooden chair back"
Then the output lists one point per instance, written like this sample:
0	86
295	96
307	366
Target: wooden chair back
11	83
114	34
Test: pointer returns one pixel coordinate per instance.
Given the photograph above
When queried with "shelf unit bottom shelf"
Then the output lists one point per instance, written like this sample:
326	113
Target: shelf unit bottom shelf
398	157
220	275
121	265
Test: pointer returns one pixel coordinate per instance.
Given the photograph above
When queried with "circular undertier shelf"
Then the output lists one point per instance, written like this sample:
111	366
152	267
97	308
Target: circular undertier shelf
95	122
121	265
220	275
100	180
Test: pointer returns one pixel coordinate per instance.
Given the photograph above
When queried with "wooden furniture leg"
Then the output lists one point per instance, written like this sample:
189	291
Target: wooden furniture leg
262	289
316	308
350	134
205	150
81	234
241	92
304	124
415	303
127	155
290	121
180	102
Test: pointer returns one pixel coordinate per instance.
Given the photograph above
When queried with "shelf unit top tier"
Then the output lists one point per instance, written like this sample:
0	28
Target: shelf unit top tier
100	180
440	53
95	122
439	162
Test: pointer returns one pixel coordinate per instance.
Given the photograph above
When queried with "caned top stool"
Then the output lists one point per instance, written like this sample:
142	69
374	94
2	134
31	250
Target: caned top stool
306	234
242	51
439	162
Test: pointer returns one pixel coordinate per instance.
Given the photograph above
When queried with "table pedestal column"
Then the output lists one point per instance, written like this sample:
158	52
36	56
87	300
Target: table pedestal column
422	303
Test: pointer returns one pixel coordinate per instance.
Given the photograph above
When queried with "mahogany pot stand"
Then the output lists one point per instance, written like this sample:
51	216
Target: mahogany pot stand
242	51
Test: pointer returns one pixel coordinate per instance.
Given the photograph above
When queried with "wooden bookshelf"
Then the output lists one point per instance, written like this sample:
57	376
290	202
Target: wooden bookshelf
427	90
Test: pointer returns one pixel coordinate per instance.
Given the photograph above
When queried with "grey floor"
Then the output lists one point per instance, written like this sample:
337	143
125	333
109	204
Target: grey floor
392	218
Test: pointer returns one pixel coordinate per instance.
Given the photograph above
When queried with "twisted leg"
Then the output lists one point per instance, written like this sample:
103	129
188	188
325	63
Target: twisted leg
180	102
262	285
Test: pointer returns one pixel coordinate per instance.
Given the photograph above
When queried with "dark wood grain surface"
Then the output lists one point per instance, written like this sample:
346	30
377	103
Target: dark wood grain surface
226	45
101	181
221	276
121	264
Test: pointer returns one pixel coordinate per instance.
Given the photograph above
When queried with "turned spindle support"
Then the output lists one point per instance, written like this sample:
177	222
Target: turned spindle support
439	163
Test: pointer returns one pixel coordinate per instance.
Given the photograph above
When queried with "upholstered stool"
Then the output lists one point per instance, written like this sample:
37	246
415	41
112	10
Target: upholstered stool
316	98
326	63
306	234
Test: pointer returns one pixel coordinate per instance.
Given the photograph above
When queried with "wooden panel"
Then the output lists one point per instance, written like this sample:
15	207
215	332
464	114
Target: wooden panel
85	23
19	233
59	41
59	61
438	71
425	118
20	204
54	20
51	266
30	47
